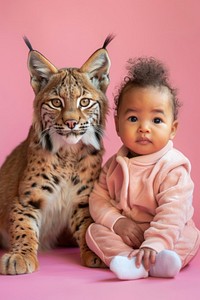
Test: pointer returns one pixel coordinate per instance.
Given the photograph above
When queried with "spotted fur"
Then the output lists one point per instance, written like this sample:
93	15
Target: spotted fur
45	182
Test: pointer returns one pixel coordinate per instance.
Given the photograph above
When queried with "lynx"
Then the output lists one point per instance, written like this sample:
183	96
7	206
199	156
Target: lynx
46	181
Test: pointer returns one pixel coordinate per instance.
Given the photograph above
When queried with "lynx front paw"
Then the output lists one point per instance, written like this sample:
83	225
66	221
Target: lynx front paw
91	260
14	264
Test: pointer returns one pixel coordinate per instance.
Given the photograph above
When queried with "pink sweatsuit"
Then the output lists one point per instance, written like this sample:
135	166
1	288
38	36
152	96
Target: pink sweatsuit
156	192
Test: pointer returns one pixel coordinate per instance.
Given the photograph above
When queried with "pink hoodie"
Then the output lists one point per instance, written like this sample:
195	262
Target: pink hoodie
154	190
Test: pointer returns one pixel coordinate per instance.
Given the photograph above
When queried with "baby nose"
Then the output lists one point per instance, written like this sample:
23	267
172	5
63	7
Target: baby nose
144	128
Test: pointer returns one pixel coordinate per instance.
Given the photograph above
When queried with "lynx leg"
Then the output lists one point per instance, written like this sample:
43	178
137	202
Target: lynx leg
22	255
82	219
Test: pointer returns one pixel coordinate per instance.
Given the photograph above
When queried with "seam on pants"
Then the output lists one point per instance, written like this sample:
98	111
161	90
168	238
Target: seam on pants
95	244
192	253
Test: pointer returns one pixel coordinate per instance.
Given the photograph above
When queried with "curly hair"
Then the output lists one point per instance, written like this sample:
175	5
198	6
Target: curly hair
144	72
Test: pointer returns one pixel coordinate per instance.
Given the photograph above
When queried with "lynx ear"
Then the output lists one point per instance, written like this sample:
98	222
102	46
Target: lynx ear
39	67
98	66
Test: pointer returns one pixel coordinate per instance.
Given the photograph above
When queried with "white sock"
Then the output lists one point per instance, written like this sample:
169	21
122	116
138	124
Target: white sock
125	268
167	264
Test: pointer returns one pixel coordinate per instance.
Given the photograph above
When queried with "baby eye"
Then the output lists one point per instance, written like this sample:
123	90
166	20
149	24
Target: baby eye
132	119
157	120
56	103
84	102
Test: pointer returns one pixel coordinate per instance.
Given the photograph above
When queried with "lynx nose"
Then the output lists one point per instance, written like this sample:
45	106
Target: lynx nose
71	123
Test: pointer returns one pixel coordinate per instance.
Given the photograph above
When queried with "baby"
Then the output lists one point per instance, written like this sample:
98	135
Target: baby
142	203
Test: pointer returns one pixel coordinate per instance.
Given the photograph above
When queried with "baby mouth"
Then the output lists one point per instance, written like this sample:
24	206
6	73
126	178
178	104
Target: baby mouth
143	141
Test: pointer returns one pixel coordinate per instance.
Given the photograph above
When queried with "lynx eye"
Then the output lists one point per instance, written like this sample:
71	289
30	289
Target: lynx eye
84	102
56	102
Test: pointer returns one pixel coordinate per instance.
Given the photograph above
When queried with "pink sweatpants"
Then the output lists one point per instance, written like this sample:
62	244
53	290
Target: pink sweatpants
107	244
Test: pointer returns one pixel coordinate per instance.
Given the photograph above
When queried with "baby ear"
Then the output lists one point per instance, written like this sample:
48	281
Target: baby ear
174	129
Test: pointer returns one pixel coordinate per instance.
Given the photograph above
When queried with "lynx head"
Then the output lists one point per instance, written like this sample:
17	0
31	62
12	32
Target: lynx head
70	105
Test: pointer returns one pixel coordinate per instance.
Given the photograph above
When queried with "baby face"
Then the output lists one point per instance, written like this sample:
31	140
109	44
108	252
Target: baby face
144	121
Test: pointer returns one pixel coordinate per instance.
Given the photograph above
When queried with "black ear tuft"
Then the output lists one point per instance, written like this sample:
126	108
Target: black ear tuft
109	38
28	44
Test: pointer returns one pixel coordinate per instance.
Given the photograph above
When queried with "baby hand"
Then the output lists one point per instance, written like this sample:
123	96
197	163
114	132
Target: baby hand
130	232
147	256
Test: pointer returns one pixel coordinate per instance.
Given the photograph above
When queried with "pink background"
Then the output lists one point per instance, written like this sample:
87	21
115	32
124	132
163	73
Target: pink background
68	32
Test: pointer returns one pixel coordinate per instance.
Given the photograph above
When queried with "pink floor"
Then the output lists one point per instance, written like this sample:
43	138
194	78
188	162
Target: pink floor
62	277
